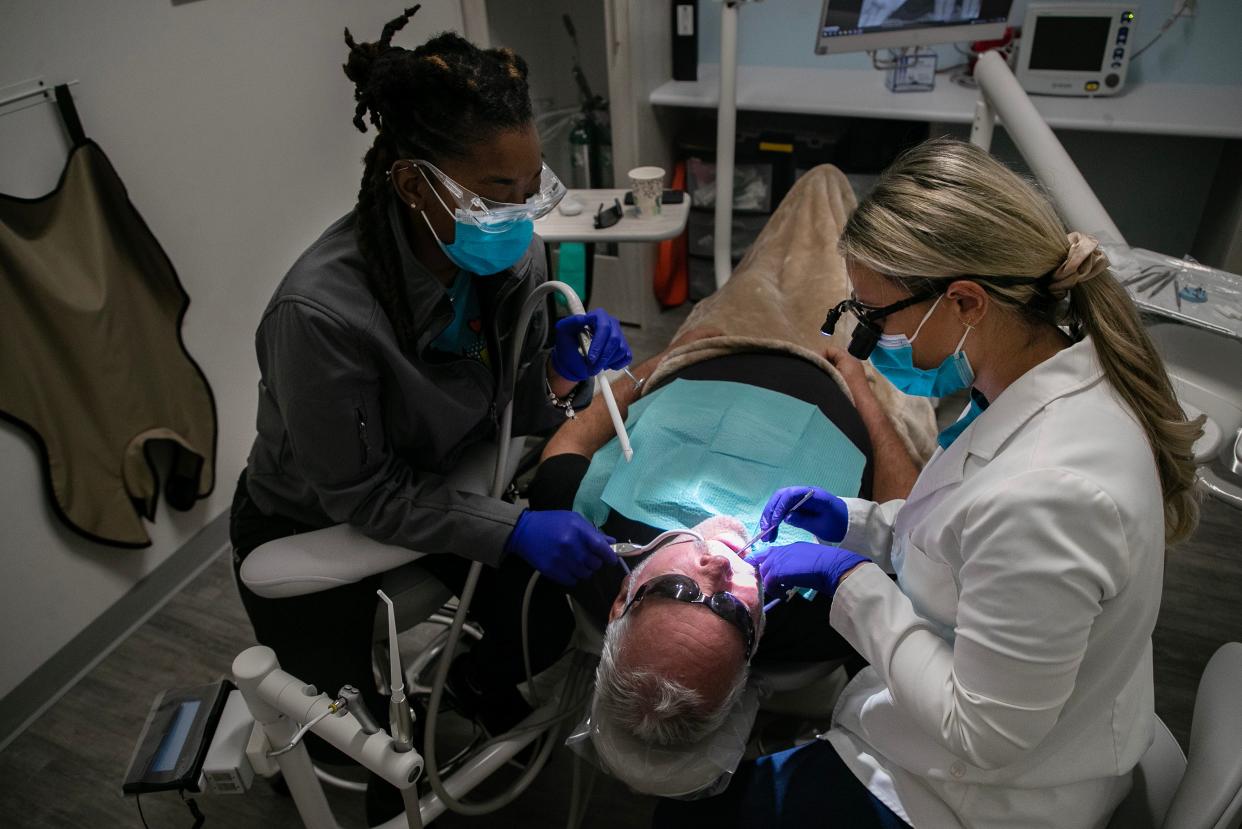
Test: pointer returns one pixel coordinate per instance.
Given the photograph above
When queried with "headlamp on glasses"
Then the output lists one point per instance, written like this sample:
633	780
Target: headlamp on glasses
867	332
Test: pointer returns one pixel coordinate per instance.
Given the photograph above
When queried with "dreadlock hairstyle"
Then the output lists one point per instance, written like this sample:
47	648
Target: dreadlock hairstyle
433	102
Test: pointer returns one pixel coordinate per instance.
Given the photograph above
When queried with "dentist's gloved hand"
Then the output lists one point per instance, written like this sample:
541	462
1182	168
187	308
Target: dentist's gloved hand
560	544
804	564
609	348
824	515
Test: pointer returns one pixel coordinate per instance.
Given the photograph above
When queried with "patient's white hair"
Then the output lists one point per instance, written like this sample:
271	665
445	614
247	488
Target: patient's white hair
650	707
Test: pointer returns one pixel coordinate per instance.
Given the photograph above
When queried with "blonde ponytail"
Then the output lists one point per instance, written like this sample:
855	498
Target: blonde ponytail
946	209
1130	362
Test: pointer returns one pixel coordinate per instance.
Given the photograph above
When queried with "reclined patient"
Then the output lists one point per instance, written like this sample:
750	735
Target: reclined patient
737	406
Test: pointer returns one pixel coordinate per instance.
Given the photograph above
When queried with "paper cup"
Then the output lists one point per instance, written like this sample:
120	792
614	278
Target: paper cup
647	185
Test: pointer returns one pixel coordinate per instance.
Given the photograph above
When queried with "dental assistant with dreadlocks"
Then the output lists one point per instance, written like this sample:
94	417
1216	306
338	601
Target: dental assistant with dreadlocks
1010	662
385	353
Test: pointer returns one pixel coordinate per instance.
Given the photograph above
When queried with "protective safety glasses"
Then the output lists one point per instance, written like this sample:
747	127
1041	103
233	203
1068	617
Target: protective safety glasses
682	588
496	216
867	332
608	218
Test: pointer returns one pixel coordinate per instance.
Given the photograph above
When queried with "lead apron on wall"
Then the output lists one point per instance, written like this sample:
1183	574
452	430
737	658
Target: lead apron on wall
91	358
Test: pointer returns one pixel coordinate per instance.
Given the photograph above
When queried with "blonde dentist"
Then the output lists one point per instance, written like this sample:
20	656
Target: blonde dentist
1010	676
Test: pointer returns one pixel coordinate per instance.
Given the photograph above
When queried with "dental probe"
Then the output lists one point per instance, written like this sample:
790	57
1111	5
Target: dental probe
768	607
401	721
618	422
765	530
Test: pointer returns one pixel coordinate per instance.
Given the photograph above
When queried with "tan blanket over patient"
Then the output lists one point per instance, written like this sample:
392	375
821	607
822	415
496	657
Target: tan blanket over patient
779	295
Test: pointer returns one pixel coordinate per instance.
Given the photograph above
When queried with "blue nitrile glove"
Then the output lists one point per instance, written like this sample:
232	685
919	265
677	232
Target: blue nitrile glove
804	564
609	348
560	544
824	515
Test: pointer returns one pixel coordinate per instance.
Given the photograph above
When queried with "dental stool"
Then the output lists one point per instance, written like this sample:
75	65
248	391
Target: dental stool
1204	790
341	554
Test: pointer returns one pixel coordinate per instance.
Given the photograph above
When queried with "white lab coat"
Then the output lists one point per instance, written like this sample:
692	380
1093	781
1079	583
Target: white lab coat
1010	677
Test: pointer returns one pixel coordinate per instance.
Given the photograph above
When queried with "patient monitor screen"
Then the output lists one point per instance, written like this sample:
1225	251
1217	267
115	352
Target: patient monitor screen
854	17
1069	44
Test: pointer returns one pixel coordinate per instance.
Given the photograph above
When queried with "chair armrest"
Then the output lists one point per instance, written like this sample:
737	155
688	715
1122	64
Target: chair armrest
320	560
1210	793
339	555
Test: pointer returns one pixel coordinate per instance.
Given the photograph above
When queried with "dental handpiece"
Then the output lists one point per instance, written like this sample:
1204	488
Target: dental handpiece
355	705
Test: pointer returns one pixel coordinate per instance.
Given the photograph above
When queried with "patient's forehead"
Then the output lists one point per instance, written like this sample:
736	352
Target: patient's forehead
719	525
681	642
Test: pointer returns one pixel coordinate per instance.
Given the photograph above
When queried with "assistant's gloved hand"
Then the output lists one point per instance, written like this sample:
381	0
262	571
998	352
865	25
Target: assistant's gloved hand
804	564
560	544
824	515
609	348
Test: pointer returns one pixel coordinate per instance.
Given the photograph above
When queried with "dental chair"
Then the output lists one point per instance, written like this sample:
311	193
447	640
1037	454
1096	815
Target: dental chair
1204	790
339	555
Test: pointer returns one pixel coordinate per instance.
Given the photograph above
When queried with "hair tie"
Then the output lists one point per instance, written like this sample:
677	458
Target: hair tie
1084	261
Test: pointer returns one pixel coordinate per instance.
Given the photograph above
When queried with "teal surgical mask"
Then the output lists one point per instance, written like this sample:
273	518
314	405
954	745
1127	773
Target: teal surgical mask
482	249
950	433
894	358
482	253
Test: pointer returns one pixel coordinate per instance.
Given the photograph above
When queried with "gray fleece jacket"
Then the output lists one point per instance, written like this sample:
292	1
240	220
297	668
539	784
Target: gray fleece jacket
353	430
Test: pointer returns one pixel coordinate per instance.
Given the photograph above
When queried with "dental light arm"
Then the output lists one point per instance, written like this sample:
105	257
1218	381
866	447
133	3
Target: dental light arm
1074	198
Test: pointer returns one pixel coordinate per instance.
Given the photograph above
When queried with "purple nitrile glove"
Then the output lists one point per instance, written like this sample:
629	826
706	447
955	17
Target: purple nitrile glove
560	544
609	348
804	564
824	515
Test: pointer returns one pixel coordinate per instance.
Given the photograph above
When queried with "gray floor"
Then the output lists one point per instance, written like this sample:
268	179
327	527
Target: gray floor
65	770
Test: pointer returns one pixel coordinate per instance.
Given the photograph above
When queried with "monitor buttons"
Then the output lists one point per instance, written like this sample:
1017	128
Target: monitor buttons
1091	86
1112	80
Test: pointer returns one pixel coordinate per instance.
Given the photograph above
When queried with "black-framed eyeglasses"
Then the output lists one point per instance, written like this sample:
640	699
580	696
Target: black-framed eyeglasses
867	332
608	218
682	588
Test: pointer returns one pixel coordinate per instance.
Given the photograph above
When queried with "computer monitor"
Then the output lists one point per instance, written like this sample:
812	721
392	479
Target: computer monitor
865	25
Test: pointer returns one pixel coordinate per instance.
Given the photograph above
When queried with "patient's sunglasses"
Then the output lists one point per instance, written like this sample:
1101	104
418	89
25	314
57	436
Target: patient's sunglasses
682	588
867	332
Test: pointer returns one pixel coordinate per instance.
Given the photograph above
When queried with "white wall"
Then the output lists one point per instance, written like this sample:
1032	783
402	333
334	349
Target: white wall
229	121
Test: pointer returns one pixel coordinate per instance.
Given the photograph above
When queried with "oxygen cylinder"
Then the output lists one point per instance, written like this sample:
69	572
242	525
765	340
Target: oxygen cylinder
580	155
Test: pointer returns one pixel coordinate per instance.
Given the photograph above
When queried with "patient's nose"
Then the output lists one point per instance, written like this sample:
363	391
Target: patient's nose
717	568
